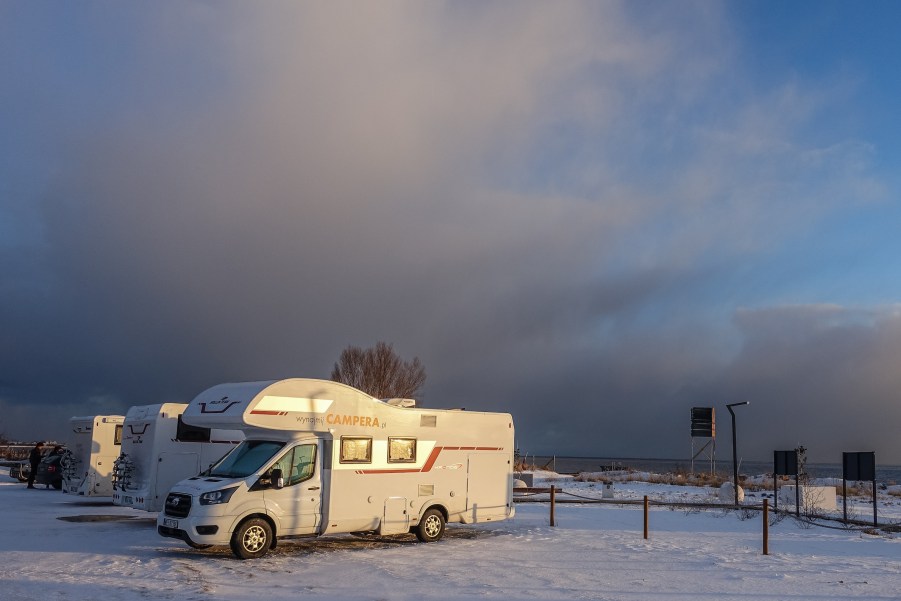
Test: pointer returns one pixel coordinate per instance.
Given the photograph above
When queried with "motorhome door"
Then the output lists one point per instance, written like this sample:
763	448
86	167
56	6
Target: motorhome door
298	504
172	468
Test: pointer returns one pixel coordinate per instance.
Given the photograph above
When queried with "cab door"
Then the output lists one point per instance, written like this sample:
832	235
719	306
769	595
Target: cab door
298	503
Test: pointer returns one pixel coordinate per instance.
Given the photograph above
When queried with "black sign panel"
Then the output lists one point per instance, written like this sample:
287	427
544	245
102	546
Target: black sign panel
702	422
859	466
785	463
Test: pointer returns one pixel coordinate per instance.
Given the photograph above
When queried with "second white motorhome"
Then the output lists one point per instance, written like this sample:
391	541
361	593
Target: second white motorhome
87	464
323	458
159	449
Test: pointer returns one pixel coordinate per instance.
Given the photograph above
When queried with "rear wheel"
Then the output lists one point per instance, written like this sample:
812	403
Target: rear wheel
252	539
431	526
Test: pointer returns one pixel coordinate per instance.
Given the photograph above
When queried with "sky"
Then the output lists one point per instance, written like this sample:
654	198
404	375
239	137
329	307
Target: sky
594	215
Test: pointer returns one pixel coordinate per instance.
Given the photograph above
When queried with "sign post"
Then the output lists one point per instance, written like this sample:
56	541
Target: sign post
785	463
703	425
858	466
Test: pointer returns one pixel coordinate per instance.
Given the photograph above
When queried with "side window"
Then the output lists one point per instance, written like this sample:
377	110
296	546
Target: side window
304	463
355	449
118	436
401	450
186	433
284	463
298	464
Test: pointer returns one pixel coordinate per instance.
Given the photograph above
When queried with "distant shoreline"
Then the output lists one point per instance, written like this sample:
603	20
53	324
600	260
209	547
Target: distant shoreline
723	466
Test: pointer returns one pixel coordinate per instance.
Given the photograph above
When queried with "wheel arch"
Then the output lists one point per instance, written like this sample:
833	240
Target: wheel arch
434	504
256	514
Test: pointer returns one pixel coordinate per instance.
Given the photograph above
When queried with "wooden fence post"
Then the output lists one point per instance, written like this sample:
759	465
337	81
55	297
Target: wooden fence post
553	503
646	517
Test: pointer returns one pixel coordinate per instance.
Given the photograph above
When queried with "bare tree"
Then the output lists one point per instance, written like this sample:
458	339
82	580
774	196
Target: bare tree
380	372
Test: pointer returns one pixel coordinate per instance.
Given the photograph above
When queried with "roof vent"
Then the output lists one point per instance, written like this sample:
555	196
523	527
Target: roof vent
400	402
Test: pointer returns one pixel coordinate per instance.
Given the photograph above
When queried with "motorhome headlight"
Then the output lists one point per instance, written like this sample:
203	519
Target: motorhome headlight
217	496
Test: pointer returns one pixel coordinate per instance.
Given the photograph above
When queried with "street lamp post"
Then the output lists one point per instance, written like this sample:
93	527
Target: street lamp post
734	449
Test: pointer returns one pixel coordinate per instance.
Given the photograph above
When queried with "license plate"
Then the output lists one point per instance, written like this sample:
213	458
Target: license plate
128	500
170	523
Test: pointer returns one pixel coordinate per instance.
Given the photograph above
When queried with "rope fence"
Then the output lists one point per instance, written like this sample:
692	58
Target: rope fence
552	494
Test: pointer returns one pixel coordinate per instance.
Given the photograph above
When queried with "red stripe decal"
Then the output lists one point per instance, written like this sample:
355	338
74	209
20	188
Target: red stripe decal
264	412
431	460
406	471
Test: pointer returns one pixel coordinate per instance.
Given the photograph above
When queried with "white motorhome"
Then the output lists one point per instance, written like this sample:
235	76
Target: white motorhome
159	449
87	463
323	458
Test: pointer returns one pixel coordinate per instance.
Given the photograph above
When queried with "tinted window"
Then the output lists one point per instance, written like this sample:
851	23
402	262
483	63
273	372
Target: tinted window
356	450
245	459
186	433
401	450
298	464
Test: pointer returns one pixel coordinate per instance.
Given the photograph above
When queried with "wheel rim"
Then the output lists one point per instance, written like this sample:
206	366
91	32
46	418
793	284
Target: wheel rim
432	526
254	539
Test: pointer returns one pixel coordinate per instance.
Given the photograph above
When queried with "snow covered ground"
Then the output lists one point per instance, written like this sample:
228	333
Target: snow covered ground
53	546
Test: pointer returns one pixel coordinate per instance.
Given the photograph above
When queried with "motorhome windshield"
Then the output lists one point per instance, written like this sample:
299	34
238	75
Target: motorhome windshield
245	459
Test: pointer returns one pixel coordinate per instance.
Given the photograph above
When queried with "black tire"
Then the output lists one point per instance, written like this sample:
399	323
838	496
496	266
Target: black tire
58	485
252	539
431	526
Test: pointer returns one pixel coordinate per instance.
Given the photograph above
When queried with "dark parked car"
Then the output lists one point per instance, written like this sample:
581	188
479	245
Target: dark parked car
50	472
20	471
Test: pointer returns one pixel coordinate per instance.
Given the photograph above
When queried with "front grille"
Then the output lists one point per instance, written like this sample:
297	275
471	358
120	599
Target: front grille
178	506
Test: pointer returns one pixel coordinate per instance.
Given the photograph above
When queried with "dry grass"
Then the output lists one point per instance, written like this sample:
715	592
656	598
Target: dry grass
862	490
678	479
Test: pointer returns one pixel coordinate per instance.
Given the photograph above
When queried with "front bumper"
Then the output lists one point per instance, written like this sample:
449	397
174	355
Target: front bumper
136	499
194	530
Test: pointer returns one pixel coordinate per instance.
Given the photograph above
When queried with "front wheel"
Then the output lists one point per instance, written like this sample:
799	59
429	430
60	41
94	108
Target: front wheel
252	539
431	526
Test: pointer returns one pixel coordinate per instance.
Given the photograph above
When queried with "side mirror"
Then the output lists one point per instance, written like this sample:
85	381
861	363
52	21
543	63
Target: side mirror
278	481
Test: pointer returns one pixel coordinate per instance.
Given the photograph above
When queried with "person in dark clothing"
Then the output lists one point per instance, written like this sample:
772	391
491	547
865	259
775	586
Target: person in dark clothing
34	458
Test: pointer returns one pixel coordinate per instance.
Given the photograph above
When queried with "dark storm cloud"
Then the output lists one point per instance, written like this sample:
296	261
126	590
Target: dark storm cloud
254	190
316	201
821	376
